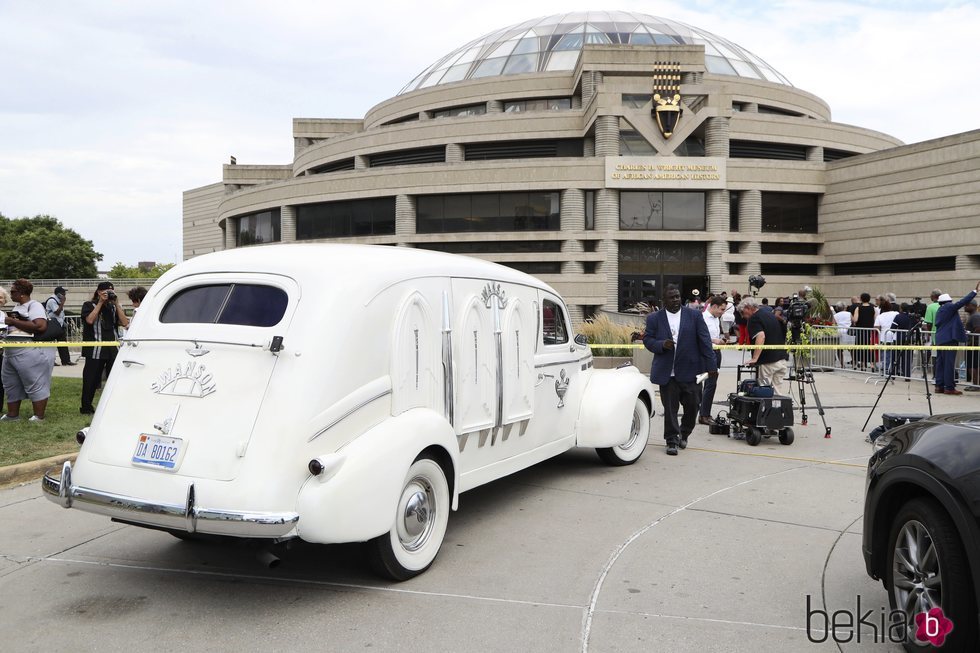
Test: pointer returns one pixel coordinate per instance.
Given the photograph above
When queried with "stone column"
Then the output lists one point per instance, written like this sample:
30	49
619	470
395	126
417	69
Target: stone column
750	224
576	102
814	153
495	106
588	146
607	136
691	77
287	224
590	84
750	107
405	215
454	153
572	219
967	262
231	233
361	162
607	220
716	210
576	315
716	137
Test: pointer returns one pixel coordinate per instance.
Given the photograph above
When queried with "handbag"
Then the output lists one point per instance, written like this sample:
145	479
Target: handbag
54	331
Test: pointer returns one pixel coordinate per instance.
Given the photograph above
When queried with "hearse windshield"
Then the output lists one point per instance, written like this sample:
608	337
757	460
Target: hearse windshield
227	303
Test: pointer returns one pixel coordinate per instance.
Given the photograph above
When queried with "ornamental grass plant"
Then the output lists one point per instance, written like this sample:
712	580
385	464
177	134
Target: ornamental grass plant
602	330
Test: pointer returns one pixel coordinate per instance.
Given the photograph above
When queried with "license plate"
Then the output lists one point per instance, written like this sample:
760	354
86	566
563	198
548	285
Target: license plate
158	451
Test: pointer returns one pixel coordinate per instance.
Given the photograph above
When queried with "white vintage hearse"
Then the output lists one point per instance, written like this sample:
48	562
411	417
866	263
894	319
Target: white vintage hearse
341	393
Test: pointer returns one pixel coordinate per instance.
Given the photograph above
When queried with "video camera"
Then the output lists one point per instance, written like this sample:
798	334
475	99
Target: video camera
796	310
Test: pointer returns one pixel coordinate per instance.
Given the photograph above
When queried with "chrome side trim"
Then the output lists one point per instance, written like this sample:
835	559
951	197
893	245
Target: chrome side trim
568	361
257	524
448	390
350	412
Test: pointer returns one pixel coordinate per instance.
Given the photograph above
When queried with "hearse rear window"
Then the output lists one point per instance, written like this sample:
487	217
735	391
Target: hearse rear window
228	303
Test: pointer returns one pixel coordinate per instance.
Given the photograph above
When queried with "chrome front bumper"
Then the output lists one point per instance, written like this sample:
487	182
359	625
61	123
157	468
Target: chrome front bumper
187	517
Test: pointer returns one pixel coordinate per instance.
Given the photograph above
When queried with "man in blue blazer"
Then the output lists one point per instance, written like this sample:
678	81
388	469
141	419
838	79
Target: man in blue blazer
949	331
681	346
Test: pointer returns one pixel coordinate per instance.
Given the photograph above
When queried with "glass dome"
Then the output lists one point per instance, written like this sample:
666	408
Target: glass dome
553	43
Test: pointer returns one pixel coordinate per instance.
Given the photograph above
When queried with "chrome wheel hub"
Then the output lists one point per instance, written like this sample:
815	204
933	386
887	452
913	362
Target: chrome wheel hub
634	432
916	574
416	514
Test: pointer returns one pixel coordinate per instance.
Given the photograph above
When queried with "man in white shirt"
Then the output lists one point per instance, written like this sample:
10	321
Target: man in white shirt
712	319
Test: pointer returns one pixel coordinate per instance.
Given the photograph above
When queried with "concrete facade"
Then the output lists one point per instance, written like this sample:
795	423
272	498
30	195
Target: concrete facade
883	202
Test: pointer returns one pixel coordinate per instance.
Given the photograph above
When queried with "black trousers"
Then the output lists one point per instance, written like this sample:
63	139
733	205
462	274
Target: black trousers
63	351
92	378
673	395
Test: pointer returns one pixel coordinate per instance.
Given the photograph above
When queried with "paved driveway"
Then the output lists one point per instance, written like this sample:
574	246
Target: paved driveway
717	549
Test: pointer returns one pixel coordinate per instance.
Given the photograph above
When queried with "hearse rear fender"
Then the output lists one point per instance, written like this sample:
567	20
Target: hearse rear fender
358	502
606	413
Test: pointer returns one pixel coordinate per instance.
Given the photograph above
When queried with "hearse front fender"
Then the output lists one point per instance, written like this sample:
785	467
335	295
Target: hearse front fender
607	406
358	499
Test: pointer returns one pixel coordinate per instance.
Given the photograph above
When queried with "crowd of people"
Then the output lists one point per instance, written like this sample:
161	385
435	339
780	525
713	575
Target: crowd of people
682	333
26	371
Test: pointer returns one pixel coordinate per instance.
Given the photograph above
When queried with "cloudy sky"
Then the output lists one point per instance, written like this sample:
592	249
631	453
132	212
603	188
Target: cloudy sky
111	109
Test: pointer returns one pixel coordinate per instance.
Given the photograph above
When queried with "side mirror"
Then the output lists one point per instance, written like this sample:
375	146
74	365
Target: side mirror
581	340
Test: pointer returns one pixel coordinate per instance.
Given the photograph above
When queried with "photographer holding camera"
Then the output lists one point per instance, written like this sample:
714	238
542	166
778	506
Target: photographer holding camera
101	320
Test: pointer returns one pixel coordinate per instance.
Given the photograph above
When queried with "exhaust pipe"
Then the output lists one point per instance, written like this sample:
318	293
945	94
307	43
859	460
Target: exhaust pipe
268	559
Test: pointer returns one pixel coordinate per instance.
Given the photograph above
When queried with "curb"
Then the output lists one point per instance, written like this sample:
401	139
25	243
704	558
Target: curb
33	470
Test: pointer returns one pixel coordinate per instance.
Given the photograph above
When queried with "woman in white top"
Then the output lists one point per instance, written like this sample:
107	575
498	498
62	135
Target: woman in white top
26	371
883	322
842	317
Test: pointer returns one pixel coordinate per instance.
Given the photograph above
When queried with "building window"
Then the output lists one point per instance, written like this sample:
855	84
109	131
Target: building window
495	247
457	112
655	211
542	104
766	150
370	217
733	213
257	228
535	267
632	143
794	249
789	213
563	147
636	100
897	266
590	210
461	213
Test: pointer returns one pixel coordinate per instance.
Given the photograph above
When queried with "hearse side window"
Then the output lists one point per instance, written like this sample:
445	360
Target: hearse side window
553	324
229	303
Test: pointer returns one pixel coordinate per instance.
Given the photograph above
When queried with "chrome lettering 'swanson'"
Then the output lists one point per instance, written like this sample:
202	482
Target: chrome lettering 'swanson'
185	380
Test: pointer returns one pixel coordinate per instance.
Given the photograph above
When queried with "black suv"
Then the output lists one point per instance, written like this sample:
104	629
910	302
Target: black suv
922	527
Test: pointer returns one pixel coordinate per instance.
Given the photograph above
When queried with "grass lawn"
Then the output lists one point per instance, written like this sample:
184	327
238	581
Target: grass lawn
23	441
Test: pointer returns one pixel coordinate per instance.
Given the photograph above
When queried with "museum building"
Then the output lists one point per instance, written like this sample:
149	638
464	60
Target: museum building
609	154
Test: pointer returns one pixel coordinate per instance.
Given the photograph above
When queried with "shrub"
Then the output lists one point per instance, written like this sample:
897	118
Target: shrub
602	330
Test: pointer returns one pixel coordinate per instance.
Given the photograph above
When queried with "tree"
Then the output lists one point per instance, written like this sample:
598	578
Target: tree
42	248
123	271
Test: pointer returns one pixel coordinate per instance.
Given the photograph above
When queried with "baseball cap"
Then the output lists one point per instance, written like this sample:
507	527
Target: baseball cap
105	285
59	290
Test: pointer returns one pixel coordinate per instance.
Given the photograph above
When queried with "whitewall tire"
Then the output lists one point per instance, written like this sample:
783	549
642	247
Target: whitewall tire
421	518
636	442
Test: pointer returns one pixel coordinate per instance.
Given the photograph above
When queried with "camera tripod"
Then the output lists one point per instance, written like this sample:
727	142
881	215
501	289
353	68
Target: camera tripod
802	373
914	337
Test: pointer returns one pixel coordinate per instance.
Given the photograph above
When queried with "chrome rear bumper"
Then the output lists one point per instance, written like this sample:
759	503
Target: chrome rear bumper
187	517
